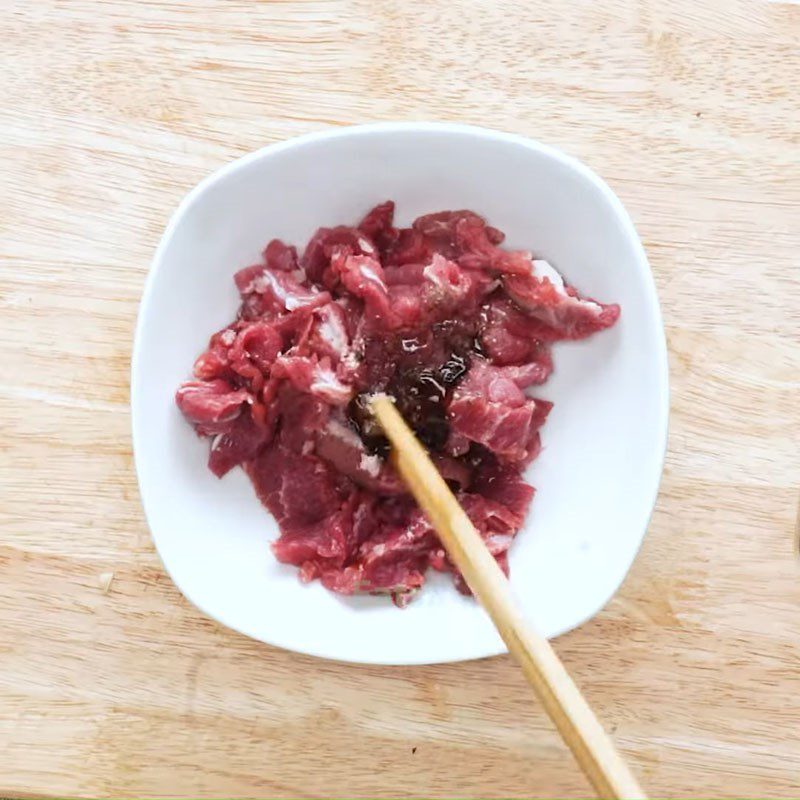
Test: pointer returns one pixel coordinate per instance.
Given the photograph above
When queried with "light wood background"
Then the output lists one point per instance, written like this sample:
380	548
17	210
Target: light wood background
112	110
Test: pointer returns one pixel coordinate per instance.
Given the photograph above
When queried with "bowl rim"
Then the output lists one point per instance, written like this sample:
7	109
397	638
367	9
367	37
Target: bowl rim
378	128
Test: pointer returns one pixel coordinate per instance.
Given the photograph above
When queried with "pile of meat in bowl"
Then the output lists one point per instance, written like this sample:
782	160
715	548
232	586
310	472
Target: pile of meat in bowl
438	316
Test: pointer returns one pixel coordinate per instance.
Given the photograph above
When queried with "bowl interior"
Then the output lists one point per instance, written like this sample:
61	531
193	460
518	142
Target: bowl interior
596	479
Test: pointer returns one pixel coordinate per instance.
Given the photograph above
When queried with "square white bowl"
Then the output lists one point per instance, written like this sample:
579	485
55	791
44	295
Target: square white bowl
596	479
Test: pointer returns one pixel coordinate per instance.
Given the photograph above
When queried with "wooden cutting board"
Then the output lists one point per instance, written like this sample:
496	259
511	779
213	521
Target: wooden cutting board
110	682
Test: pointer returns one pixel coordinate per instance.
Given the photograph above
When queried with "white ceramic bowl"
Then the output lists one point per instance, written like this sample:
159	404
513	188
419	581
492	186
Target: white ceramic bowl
604	442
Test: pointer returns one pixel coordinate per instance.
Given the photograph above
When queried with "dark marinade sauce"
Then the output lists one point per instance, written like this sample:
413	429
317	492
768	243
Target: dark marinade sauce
420	389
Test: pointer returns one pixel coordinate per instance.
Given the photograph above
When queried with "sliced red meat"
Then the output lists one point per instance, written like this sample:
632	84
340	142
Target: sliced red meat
544	295
446	286
315	376
425	293
405	275
476	244
302	417
504	430
321	544
211	403
317	255
277	291
503	484
497	525
438	315
241	442
457	235
489	408
298	489
511	336
281	257
473	244
392	561
321	547
378	225
339	445
440	230
455	471
377	367
410	247
244	278
363	277
457	444
406	308
365	519
254	351
525	375
328	335
496	522
213	362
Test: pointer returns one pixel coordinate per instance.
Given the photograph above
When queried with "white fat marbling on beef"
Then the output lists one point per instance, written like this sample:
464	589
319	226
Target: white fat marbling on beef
370	274
431	274
351	359
542	269
291	300
365	246
331	330
326	384
345	433
371	464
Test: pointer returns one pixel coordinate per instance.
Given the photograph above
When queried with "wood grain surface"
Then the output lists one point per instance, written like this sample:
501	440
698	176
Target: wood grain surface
112	110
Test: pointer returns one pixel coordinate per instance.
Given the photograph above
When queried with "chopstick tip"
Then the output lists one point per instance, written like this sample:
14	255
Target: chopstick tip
379	398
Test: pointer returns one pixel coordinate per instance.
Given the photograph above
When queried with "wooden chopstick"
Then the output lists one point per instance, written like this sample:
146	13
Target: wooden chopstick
563	701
